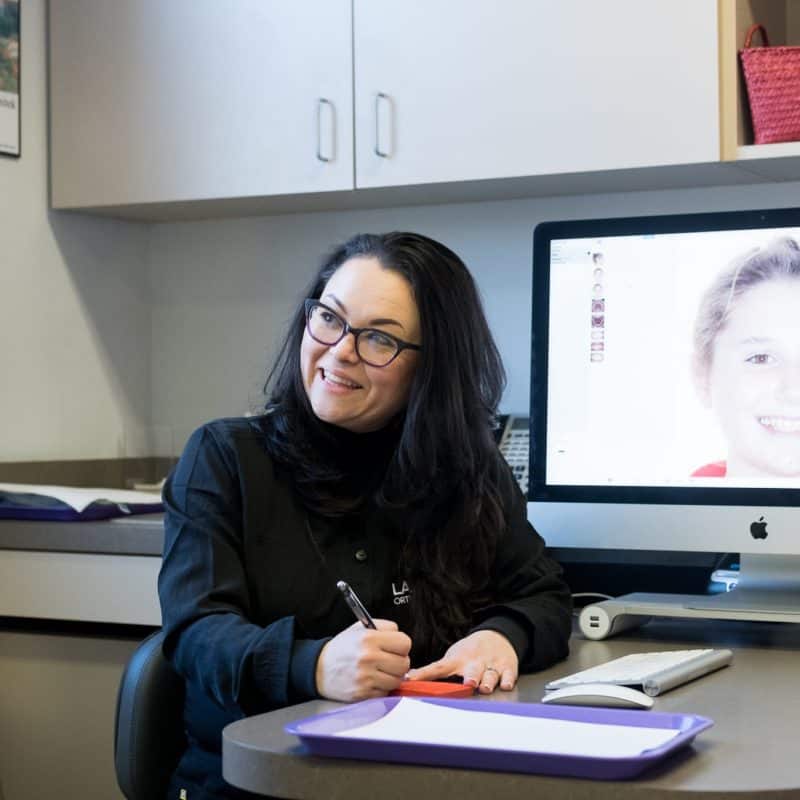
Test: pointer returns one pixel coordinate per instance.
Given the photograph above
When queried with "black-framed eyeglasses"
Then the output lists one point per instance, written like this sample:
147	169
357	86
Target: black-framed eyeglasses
374	347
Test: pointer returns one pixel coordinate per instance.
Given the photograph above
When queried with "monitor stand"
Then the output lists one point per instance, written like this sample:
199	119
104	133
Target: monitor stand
768	590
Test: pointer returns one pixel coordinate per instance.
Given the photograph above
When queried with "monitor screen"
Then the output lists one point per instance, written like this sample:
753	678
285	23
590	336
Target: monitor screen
665	383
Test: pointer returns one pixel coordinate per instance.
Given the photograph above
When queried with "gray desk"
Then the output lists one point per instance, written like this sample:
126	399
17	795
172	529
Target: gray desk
751	752
136	535
103	571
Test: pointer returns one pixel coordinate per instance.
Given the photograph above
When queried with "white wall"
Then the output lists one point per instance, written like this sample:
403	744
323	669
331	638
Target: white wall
223	290
118	338
74	306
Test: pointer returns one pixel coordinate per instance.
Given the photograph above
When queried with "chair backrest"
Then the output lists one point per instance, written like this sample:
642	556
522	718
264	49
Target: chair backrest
149	734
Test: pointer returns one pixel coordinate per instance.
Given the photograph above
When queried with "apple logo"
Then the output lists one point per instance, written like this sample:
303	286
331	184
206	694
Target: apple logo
758	530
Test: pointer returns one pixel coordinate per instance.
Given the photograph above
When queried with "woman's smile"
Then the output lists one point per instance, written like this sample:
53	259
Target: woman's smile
781	425
337	382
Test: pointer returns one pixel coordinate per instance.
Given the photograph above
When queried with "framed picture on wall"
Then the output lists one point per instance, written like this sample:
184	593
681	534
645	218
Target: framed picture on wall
9	77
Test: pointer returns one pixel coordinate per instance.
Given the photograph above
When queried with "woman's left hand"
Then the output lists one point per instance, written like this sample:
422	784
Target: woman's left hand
485	659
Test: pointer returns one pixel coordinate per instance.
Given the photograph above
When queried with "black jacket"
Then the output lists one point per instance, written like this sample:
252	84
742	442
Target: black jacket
248	588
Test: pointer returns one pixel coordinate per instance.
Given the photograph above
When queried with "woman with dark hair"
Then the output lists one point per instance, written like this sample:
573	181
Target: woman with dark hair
374	463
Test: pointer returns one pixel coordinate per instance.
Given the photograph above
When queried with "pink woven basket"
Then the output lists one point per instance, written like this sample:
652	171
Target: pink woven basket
772	77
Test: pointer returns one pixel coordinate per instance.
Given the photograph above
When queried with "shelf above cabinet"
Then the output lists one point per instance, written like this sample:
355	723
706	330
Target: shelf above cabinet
781	19
681	176
776	162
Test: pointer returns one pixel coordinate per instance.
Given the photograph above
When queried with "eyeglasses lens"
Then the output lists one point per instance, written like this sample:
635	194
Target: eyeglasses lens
324	325
376	348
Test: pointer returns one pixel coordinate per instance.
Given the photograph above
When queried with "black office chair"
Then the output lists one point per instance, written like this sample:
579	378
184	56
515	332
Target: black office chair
149	736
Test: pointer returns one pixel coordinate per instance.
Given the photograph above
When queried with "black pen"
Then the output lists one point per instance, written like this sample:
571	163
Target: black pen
356	606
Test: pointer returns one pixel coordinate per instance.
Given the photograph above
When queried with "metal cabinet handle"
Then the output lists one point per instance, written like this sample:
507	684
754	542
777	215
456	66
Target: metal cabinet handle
323	103
383	99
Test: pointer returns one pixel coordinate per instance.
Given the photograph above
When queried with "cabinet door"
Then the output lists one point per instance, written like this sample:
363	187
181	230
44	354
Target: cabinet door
155	101
451	91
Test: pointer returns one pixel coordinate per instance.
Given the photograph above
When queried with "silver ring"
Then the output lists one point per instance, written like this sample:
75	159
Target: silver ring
490	669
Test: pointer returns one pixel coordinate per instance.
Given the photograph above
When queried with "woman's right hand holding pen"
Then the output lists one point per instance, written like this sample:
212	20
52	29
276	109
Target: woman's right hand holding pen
361	662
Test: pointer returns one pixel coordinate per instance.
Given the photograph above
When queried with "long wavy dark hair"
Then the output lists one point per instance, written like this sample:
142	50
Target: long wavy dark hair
440	472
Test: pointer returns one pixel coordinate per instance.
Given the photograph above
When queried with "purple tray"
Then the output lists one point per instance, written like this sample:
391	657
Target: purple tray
316	733
65	513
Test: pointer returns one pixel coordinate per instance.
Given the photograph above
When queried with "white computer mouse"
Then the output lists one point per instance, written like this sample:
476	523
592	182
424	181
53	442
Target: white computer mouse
600	694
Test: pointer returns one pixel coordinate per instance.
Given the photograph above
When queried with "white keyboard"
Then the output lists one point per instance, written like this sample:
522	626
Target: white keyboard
654	672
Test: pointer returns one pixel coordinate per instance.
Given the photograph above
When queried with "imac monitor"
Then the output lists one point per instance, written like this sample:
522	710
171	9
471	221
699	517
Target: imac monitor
665	394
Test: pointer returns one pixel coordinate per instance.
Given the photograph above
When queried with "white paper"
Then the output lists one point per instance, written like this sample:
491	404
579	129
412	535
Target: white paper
79	499
425	723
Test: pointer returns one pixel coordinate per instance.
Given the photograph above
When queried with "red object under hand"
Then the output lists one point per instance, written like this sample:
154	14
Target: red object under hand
432	689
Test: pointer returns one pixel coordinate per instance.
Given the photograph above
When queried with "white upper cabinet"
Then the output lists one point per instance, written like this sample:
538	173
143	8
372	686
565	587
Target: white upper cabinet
159	102
170	109
479	89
